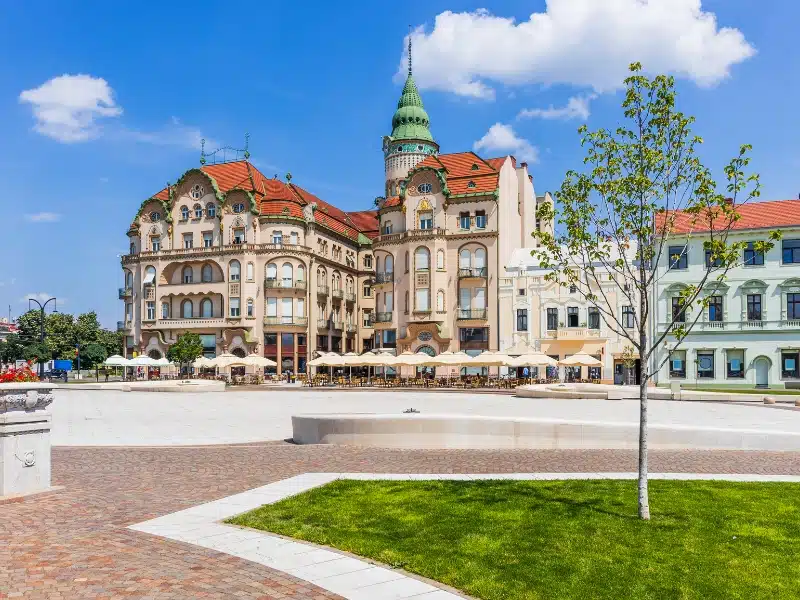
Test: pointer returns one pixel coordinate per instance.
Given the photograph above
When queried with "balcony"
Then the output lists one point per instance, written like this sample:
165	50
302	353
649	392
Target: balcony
733	326
286	321
349	297
472	273
573	333
382	317
284	284
351	328
337	325
323	290
479	314
123	325
125	292
381	278
323	324
209	251
196	322
413	234
337	294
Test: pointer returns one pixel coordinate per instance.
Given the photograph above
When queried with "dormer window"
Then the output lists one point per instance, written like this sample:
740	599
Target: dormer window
424	188
238	208
471	184
184	213
155	216
475	166
197	191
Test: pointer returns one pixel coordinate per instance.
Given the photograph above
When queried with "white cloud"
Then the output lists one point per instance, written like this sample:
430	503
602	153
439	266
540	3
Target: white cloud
577	107
68	107
175	133
43	217
502	138
587	43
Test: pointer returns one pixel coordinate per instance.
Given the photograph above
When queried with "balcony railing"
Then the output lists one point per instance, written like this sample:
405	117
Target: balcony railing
337	294
323	323
382	317
351	328
202	250
337	325
285	284
123	325
411	234
349	297
478	314
472	273
125	292
322	290
387	277
724	326
286	321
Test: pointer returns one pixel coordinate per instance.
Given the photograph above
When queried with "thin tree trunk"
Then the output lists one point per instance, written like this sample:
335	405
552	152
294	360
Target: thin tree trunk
644	500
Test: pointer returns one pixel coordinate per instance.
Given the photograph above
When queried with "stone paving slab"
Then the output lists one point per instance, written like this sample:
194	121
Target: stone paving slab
75	543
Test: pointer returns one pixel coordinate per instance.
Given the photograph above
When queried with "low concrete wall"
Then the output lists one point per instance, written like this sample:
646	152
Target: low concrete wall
188	385
464	431
623	392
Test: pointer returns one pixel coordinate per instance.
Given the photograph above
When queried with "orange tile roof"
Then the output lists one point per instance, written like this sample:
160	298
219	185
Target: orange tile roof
462	167
755	215
391	201
365	220
483	184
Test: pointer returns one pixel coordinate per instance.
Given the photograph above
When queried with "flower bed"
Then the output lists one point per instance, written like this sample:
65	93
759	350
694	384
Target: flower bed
20	375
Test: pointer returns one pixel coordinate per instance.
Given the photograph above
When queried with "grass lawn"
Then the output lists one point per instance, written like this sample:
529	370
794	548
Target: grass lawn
514	540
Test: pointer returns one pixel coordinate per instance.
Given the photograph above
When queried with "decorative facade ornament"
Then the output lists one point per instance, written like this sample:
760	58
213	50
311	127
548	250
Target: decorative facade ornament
24	400
308	212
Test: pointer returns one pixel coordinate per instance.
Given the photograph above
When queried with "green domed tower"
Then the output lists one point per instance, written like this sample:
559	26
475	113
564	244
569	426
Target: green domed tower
411	140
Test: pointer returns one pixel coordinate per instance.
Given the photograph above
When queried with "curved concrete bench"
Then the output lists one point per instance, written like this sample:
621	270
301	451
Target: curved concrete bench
466	431
188	385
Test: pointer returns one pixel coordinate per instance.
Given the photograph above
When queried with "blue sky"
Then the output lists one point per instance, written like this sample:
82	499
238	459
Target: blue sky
315	85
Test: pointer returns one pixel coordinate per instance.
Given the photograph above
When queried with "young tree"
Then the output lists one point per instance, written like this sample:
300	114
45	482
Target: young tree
186	349
617	215
12	349
92	354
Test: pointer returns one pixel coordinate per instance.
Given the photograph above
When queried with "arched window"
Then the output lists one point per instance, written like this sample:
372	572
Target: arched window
389	262
464	259
440	301
132	248
349	285
198	211
186	275
480	258
440	260
250	307
235	271
251	270
287	274
211	209
184	213
272	271
301	273
128	279
206	308
165	310
149	276
406	261
187	309
422	259
206	274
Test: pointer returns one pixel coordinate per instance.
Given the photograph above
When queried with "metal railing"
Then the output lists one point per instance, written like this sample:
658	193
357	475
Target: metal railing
349	297
125	292
382	317
387	277
474	272
203	250
337	294
285	284
336	325
322	290
287	321
123	325
351	328
474	314
323	323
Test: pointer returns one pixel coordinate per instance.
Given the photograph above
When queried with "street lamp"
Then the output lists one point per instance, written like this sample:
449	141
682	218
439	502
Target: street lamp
41	331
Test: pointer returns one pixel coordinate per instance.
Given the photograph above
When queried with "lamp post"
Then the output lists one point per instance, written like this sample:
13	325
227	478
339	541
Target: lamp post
41	331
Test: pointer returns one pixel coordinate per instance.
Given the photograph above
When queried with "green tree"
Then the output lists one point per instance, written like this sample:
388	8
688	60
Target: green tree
92	354
616	217
110	340
38	352
12	349
186	349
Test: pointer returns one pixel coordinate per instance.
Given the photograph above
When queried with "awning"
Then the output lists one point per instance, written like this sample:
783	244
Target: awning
149	278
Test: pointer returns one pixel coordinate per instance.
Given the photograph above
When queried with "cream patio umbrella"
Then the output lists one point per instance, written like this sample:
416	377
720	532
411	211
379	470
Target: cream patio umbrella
116	361
533	359
202	363
412	359
580	359
256	360
490	359
449	359
225	360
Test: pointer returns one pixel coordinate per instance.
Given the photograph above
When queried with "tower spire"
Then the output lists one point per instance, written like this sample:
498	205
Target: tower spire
409	50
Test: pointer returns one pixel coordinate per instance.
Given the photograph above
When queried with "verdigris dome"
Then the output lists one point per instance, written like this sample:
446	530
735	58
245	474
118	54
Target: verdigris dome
410	121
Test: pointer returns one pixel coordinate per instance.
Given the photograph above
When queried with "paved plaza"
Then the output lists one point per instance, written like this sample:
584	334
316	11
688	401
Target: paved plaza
90	418
76	542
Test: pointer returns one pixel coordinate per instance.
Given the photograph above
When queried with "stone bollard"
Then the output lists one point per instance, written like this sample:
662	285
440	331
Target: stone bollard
24	437
769	400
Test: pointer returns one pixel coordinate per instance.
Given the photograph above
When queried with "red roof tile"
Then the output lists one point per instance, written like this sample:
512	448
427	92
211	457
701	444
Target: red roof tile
463	167
755	215
483	184
392	201
365	220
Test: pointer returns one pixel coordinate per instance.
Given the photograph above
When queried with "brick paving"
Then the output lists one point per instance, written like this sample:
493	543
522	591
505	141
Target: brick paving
74	543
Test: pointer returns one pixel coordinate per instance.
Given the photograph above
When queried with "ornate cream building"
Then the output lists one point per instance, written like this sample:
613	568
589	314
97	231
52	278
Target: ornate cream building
254	264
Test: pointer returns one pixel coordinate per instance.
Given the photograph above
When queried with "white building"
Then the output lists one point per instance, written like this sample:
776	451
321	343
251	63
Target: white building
559	321
750	332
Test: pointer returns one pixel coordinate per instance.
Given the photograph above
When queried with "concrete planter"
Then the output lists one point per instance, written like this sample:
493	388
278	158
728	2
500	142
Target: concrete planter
25	437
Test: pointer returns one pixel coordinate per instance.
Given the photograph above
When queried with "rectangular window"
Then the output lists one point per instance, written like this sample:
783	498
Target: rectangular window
388	302
128	312
678	257
753	307
463	220
715	309
367	261
277	237
293	238
627	317
322	343
480	219
426	220
188	241
715	263
389	338
521	292
473	334
705	365
677	364
423	300
464	299
208	239
238	236
753	257
594	318
790	365
735	364
286	310
250	271
209	342
552	319
479	299
234	302
791	252
155	244
367	319
367	291
151	311
270	339
301	307
272	307
793	306
572	316
165	310
522	319
678	310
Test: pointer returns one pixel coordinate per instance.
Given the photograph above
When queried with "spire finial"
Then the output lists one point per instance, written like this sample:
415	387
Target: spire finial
409	50
246	146
203	151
